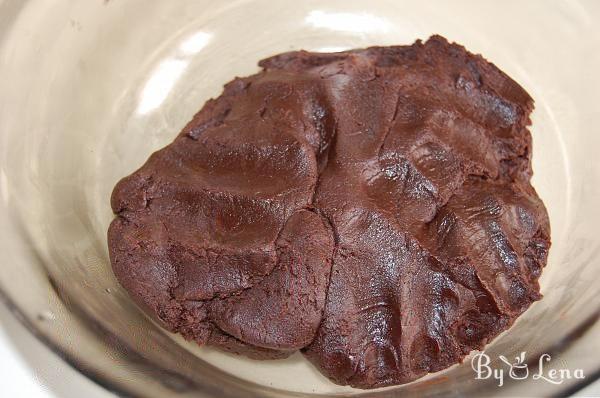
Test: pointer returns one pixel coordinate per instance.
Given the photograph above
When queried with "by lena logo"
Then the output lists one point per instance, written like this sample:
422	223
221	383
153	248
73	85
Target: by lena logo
519	369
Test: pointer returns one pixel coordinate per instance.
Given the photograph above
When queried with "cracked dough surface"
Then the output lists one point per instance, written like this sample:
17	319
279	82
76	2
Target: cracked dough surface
371	208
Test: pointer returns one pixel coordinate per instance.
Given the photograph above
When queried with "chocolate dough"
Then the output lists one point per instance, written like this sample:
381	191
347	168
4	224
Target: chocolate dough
371	208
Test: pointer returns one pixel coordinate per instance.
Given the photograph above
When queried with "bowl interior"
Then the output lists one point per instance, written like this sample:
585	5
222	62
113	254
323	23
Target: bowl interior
90	89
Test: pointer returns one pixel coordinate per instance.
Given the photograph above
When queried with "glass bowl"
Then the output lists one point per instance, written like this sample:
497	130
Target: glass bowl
88	89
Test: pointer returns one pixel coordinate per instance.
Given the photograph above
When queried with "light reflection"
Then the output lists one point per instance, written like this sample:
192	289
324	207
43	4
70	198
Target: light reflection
169	71
4	186
347	22
195	43
160	84
331	49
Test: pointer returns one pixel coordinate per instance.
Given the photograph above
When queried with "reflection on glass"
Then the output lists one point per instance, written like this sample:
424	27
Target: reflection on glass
167	73
4	186
160	84
195	43
332	49
347	22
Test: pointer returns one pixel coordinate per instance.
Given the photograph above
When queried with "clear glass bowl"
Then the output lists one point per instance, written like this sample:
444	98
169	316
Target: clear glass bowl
88	89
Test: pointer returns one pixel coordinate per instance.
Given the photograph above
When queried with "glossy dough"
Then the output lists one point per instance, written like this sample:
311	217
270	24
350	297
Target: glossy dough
371	208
